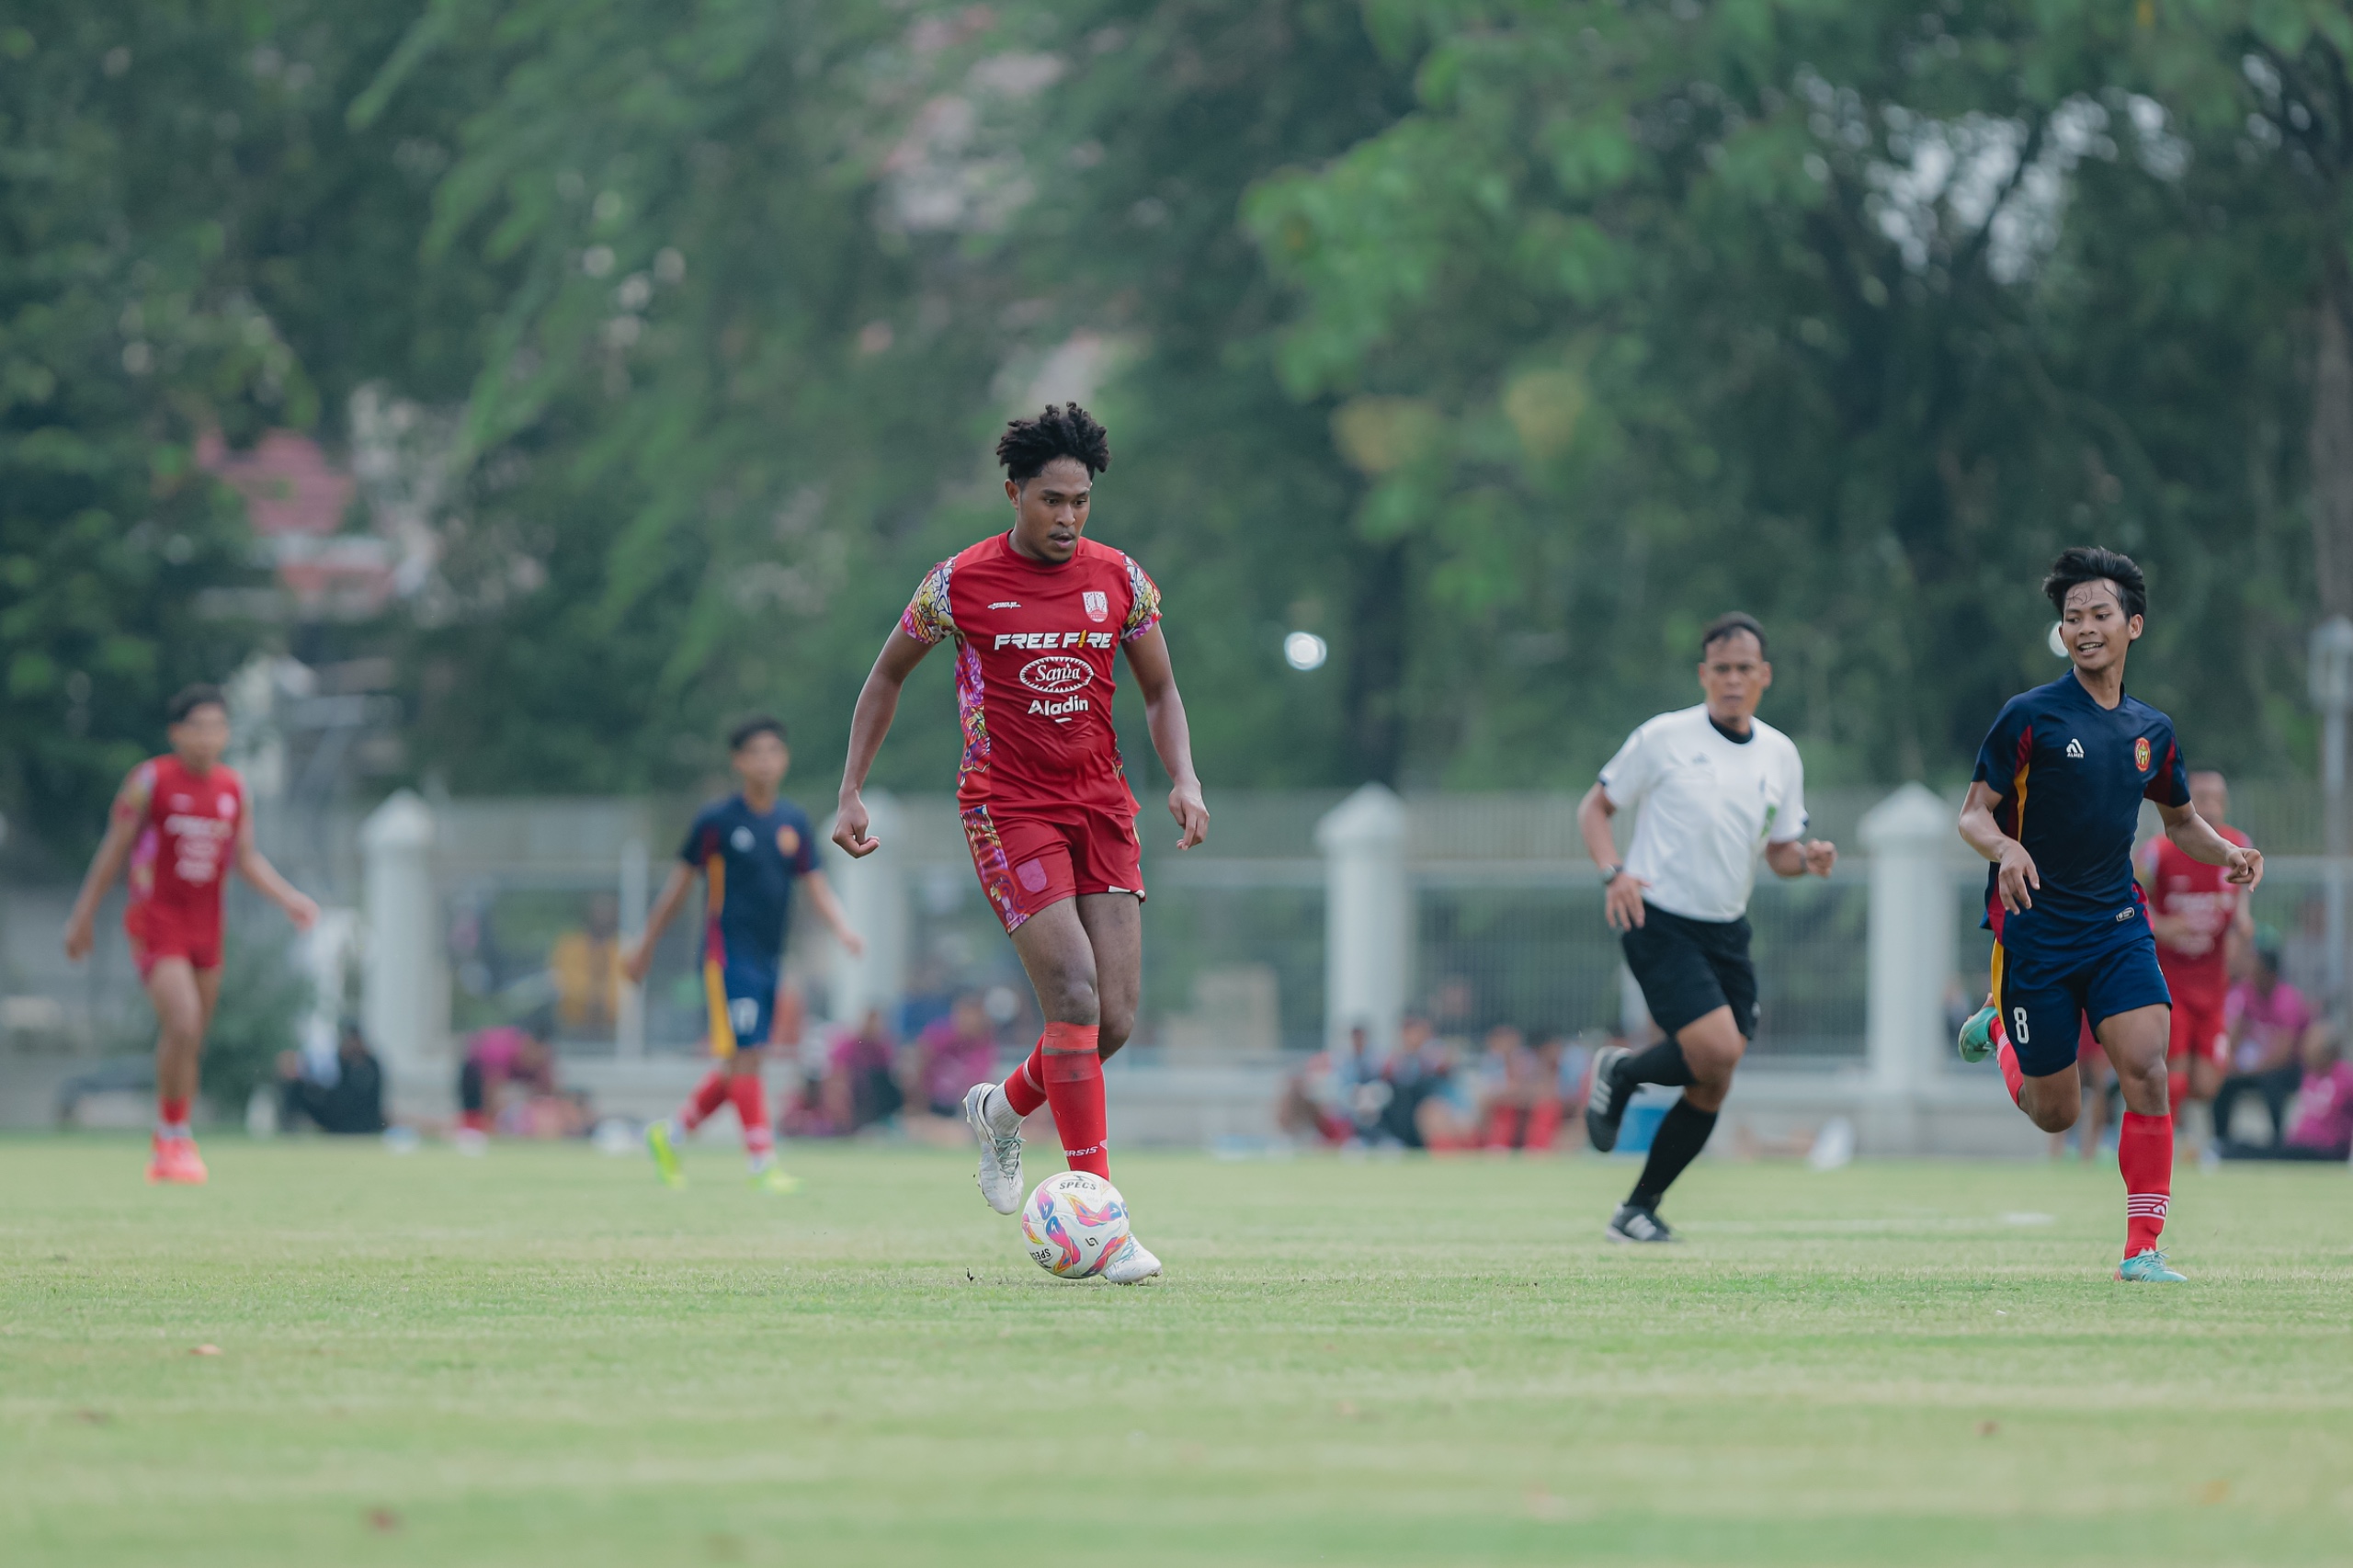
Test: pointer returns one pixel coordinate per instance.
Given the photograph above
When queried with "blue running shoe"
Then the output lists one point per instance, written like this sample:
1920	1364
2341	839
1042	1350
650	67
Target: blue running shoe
1977	1036
2149	1269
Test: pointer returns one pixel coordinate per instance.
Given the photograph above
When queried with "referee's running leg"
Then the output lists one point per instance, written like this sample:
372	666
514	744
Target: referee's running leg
1702	991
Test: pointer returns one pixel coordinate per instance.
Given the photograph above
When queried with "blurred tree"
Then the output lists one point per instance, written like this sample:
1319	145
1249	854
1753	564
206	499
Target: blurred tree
1847	316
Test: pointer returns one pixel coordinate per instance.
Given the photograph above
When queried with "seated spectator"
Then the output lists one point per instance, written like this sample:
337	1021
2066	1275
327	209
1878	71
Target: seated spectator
1319	1101
1522	1111
354	1103
507	1082
1430	1105
858	1089
2269	1021
2320	1126
952	1055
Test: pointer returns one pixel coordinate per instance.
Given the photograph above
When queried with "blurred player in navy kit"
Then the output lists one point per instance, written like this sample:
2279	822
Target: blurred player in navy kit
751	848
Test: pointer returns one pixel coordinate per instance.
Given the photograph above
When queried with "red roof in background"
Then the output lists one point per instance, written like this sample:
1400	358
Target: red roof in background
297	499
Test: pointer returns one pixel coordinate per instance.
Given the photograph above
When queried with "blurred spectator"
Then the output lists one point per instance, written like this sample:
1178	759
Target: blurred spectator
354	1103
585	967
1522	1110
2320	1126
953	1053
1430	1104
2269	1022
508	1082
1318	1101
855	1089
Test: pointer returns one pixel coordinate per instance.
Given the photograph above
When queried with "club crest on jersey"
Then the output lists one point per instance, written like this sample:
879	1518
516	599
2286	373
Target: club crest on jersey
1098	604
2140	754
788	841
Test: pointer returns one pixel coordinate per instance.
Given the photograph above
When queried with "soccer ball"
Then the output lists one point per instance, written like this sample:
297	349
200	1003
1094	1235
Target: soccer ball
1073	1224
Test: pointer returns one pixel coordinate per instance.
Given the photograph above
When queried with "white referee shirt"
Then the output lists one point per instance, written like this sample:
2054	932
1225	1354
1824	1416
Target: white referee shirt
1705	808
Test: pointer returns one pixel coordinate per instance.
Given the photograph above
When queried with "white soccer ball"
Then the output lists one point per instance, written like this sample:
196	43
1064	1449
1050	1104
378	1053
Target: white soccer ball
1073	1224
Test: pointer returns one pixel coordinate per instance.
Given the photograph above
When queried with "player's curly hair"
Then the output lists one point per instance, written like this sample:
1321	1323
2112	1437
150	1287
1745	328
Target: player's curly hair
2081	564
1064	430
188	698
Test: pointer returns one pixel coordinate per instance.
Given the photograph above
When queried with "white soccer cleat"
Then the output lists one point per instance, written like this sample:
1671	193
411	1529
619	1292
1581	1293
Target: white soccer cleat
1000	1172
1131	1265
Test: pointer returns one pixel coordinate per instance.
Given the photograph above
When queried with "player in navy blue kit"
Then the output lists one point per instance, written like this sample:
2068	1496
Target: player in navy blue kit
751	848
2057	796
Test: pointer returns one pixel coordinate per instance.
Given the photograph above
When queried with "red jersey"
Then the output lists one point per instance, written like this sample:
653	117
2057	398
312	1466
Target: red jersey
189	824
1036	662
2178	885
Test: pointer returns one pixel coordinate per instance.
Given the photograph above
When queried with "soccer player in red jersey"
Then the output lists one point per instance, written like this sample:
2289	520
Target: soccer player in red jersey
1037	615
2195	911
181	822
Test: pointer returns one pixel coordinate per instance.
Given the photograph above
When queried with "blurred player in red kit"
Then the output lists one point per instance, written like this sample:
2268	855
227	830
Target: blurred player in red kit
2196	912
181	823
1038	615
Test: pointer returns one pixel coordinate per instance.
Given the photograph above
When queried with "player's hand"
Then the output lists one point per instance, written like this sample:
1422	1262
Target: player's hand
80	938
1192	814
2246	867
1820	856
2019	881
637	961
302	910
1621	901
849	829
852	943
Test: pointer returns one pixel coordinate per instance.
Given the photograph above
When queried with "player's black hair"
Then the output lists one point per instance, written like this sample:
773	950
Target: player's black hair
1730	624
760	725
2081	564
1064	430
188	698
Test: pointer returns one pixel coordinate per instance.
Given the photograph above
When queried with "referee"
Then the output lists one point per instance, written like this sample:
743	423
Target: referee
1712	786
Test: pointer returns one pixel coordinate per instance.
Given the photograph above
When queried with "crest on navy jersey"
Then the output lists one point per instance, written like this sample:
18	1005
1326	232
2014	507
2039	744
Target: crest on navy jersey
2140	754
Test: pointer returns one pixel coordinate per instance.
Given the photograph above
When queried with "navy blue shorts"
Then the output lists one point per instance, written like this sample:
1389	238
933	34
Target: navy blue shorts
2047	986
741	1000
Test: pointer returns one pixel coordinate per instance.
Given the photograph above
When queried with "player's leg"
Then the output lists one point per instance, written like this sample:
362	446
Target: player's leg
1114	922
716	1089
753	1015
179	1004
1060	960
2035	1039
2135	1042
1696	980
1024	868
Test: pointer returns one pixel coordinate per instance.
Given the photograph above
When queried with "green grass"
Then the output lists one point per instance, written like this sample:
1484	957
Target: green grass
544	1356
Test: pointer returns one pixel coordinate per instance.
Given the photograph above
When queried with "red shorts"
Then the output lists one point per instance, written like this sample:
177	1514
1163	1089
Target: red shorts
2197	1030
1031	857
158	932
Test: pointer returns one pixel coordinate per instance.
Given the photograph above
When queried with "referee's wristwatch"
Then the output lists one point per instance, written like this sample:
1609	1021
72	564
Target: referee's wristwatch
1612	874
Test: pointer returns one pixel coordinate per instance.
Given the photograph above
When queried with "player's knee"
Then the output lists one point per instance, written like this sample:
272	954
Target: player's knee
1075	998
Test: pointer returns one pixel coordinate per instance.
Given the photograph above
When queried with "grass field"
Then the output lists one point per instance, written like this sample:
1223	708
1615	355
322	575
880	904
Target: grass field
544	1356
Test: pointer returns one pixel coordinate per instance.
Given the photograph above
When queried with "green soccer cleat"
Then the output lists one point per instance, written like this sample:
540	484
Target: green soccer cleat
2149	1269
665	1157
771	1179
1977	1036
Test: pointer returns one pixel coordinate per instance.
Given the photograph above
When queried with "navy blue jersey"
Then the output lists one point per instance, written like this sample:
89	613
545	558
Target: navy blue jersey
749	861
2071	777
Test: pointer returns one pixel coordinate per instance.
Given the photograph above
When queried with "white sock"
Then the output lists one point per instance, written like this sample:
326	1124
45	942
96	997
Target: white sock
998	1112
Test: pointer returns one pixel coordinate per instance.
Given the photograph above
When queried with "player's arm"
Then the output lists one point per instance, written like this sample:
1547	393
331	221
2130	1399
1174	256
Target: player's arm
1622	896
2196	838
255	866
124	821
1795	856
1172	737
878	703
829	910
2018	880
675	888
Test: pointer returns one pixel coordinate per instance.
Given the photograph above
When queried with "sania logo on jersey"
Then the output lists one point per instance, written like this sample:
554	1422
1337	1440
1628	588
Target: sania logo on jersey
2075	750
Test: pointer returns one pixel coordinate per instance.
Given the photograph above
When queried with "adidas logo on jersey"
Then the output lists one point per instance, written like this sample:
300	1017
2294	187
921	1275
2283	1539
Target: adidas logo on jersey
2075	750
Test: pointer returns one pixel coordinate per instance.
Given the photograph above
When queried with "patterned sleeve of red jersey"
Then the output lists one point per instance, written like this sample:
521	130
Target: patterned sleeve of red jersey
1144	607
928	619
138	788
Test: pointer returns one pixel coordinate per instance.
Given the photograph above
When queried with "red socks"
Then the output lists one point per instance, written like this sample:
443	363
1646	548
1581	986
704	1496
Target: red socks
1073	1073
2013	1076
752	1110
2145	1154
1024	1088
708	1096
171	1115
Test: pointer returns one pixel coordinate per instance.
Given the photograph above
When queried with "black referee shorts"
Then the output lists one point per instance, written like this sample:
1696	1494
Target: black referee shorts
1688	968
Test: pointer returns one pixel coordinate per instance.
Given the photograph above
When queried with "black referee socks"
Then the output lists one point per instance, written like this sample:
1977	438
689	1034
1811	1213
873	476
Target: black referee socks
1660	1063
1682	1133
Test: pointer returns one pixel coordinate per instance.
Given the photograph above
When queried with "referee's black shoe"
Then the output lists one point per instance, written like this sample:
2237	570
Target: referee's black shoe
1633	1223
1605	1105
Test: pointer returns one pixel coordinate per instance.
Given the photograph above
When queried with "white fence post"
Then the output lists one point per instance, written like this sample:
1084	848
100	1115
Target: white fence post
1910	837
1368	916
874	897
405	1004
